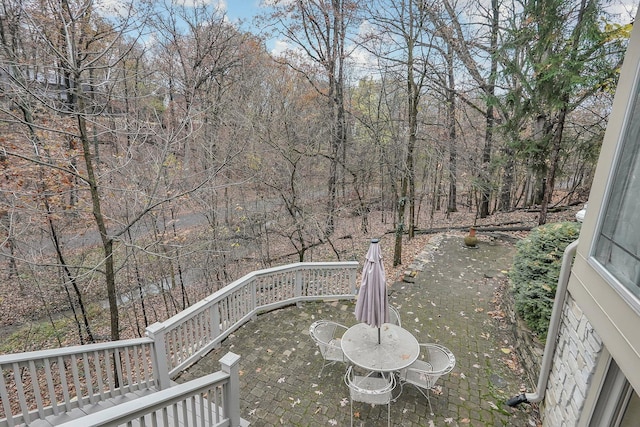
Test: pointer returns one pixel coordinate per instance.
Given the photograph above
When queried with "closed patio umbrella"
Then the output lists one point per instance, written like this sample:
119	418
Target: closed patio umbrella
371	306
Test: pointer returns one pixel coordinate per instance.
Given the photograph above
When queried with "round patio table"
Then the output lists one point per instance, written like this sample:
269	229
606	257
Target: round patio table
398	348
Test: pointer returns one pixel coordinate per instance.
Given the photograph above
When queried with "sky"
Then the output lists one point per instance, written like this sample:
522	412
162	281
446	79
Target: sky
247	10
242	9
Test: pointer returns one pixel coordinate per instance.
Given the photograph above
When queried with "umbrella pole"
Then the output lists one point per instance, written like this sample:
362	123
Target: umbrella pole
378	335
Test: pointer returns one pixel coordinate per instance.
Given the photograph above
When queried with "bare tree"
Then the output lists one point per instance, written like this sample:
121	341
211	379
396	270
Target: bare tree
318	30
401	39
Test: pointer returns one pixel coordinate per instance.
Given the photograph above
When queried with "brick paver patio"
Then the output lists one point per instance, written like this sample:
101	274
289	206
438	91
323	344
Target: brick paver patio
450	301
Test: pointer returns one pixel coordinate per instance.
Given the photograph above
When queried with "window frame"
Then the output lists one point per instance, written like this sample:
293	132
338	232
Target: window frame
625	293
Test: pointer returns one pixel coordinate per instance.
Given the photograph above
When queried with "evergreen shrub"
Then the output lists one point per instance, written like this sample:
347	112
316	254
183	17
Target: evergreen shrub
535	272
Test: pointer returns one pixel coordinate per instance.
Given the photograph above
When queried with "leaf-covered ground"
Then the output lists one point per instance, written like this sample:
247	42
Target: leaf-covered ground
27	326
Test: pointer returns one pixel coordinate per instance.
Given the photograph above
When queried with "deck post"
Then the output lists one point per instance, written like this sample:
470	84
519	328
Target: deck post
160	355
230	365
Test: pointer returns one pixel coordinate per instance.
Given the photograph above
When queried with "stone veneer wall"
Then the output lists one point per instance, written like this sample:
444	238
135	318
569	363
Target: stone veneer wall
527	346
576	355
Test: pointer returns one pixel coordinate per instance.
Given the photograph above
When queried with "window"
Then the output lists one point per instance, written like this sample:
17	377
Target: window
617	247
618	404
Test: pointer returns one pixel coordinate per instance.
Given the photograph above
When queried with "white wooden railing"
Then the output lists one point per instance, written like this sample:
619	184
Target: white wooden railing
208	400
192	333
38	384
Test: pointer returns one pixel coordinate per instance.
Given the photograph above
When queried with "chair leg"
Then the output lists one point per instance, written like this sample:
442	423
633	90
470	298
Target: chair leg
426	396
400	393
389	414
321	369
351	411
324	365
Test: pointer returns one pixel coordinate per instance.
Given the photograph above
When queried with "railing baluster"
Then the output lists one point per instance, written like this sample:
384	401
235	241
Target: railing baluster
216	404
117	361
145	354
128	375
191	334
35	386
98	373
20	390
136	367
179	344
62	372
109	367
88	375
4	396
50	387
76	380
165	417
200	331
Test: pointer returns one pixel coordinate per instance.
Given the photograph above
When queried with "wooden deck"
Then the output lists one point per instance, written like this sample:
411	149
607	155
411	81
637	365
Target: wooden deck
128	382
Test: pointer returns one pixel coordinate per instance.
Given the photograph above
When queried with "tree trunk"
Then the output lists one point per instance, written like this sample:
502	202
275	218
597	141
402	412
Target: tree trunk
507	180
107	241
554	159
490	94
452	205
397	249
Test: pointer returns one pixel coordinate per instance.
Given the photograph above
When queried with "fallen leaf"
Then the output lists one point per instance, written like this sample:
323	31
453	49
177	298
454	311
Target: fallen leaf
505	350
496	314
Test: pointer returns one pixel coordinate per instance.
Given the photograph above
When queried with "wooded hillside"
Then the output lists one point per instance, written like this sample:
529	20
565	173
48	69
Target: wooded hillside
153	152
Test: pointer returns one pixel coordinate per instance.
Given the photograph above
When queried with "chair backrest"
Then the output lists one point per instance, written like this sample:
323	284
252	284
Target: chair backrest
368	388
322	332
436	361
394	316
441	360
439	357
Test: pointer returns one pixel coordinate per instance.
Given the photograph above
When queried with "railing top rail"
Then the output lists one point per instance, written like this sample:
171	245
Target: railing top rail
133	409
221	293
67	351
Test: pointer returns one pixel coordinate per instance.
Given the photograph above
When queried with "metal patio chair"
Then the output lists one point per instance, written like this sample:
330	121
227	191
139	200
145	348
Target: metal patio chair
435	361
394	316
326	335
372	389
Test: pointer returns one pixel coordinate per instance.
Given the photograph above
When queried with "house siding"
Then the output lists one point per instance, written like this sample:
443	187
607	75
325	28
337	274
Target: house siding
574	365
